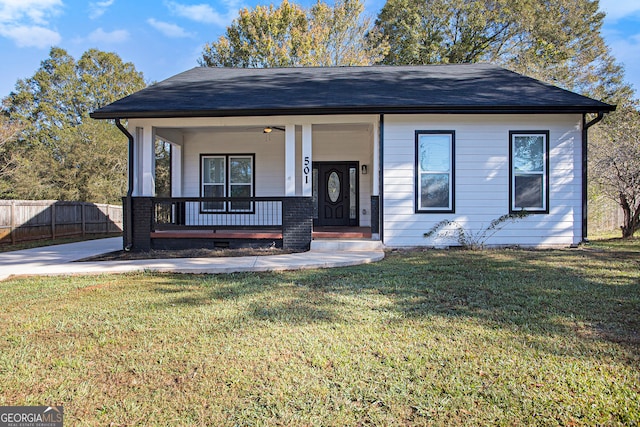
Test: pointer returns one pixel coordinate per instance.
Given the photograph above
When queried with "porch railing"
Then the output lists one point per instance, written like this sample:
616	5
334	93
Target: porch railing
217	213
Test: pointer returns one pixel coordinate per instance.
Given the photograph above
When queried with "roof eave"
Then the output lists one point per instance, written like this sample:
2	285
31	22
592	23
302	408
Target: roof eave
164	114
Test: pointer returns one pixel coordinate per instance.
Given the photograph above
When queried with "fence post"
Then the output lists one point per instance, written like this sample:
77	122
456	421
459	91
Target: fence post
53	220
13	222
82	219
107	219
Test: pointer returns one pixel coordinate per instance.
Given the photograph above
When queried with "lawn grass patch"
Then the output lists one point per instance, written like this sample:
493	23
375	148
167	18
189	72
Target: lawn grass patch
499	337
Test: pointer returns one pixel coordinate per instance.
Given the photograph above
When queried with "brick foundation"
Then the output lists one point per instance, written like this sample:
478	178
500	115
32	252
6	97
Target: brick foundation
375	214
297	223
142	209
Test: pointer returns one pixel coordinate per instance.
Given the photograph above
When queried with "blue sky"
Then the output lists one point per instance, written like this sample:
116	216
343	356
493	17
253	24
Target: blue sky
163	38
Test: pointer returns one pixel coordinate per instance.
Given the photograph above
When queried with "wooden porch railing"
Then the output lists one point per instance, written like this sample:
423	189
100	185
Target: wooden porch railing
183	213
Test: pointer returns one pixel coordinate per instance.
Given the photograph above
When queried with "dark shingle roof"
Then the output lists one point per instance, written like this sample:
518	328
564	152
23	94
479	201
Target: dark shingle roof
459	88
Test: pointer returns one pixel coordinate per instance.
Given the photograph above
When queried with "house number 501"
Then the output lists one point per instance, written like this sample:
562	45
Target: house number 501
306	169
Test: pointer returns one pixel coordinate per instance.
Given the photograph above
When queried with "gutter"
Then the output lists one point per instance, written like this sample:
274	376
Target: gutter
585	133
128	201
279	110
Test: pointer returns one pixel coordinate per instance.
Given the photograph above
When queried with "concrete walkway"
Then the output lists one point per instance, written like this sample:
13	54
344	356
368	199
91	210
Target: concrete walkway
59	260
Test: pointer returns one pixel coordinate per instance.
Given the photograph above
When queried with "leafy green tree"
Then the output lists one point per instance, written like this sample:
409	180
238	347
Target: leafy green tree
288	36
61	153
557	41
444	31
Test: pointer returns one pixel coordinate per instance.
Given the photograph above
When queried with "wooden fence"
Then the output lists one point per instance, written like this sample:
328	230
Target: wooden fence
604	215
23	220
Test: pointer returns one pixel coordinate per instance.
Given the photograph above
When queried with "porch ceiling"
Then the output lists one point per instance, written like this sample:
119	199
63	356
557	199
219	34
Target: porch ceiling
327	127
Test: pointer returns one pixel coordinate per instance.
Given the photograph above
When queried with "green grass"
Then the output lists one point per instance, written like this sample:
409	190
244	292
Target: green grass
504	337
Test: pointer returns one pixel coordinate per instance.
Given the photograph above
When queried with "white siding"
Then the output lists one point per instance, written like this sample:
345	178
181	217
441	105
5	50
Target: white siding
482	179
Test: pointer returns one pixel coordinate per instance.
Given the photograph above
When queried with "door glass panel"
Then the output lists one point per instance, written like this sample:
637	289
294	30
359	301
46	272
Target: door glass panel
352	193
333	187
315	192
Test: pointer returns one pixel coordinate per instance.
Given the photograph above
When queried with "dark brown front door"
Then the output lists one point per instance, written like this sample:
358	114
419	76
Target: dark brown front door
336	193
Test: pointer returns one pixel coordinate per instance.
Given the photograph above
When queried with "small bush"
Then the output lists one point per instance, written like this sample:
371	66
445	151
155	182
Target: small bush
473	240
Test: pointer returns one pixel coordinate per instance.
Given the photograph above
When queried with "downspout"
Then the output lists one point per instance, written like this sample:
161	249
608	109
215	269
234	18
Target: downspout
128	201
381	179
585	131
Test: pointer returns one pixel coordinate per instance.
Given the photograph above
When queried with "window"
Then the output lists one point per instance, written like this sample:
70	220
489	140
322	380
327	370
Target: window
435	180
227	175
529	165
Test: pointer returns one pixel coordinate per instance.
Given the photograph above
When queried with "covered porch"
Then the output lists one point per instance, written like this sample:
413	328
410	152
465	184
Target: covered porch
255	181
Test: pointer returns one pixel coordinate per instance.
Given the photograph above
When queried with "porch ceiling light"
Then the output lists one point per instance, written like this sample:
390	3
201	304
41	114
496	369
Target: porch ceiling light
269	129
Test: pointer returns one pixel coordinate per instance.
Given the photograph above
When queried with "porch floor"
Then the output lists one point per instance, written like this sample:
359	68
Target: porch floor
216	234
318	233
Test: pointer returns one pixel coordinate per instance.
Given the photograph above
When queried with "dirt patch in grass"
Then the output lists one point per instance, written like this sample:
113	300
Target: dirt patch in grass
187	253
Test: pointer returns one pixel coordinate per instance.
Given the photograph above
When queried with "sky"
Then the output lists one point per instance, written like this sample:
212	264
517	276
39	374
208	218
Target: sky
165	37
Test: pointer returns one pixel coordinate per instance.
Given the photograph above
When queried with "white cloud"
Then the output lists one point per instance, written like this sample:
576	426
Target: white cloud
31	36
617	9
97	9
101	36
168	29
26	22
204	13
36	11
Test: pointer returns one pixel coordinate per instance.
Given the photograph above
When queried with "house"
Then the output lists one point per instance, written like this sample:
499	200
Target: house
286	155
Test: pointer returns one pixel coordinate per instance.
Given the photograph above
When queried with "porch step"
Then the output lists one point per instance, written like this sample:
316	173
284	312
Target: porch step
340	245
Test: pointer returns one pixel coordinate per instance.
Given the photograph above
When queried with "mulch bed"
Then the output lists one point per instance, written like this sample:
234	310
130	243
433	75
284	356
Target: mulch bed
187	253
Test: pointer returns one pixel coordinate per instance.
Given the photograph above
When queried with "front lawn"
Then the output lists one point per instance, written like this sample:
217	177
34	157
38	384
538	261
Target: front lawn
505	337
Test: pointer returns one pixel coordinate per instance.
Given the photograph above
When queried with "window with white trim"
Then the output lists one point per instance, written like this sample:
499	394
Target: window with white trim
435	179
529	166
227	175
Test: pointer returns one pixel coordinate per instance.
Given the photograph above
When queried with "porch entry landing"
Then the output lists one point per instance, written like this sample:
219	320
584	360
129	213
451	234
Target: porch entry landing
341	233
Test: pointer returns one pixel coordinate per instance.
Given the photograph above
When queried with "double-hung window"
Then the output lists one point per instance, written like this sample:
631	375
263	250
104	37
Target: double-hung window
529	171
227	175
435	164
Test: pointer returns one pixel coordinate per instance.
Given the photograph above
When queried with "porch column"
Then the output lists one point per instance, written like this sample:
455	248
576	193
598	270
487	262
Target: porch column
307	160
375	184
144	167
176	170
290	160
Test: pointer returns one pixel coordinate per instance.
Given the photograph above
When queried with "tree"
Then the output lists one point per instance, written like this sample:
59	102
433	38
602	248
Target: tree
289	36
61	153
557	41
444	31
615	164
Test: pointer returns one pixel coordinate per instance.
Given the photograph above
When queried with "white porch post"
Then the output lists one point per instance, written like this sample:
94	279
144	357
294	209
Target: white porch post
290	160
176	170
375	178
144	168
307	159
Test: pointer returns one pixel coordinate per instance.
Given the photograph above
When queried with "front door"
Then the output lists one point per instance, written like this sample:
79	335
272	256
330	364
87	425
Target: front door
335	193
